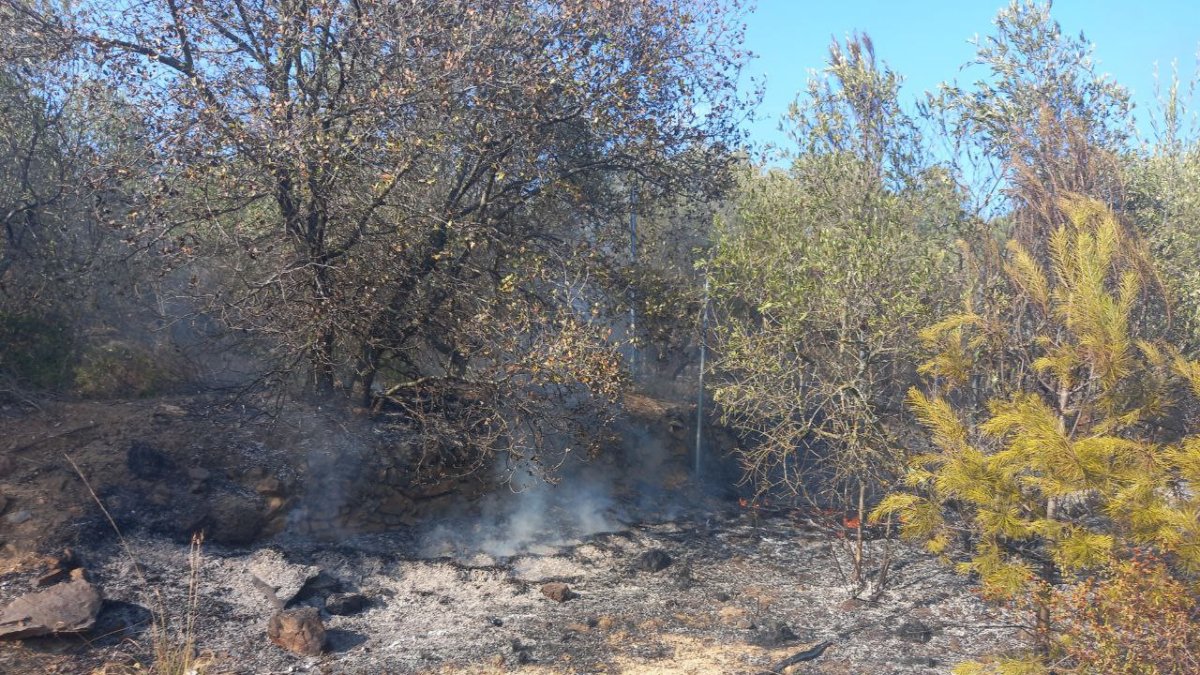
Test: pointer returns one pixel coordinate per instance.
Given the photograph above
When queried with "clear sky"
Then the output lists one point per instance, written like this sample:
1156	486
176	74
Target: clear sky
927	41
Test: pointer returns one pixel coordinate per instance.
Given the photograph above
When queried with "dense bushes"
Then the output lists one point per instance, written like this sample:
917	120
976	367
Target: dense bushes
1061	394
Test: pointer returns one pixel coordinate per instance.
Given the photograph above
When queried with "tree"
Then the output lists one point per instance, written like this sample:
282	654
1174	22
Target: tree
1163	202
1069	473
405	198
1042	123
64	270
819	276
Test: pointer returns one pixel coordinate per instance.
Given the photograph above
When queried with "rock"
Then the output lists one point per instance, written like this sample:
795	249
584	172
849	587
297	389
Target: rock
298	630
321	586
146	462
166	410
774	634
913	630
18	517
65	608
199	474
654	560
60	568
345	604
558	591
269	487
274	570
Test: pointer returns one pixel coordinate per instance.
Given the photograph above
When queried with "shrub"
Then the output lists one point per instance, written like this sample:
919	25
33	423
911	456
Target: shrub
1135	617
37	350
121	369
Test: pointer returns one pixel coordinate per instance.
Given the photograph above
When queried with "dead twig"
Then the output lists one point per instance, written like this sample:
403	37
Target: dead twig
34	444
810	654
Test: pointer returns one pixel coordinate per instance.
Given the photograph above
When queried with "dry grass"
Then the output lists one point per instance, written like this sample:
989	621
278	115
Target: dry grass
173	649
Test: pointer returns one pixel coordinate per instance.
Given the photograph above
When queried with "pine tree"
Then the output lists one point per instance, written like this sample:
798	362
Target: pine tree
1068	470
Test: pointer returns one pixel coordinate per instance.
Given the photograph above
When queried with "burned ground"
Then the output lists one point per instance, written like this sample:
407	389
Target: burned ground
674	579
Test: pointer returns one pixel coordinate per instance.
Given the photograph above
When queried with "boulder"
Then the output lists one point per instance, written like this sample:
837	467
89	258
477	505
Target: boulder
70	607
299	631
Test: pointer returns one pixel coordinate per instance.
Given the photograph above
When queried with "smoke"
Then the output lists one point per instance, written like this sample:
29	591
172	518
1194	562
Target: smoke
529	515
638	480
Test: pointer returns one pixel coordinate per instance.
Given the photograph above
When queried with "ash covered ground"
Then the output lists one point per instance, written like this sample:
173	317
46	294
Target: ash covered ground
663	576
740	593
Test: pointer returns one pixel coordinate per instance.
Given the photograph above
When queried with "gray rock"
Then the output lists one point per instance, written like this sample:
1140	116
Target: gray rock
275	571
18	517
345	604
71	607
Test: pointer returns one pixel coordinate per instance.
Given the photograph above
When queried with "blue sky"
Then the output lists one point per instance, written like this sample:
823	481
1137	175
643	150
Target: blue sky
927	41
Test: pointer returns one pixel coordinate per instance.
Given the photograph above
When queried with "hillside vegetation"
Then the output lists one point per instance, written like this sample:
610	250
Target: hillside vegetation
971	319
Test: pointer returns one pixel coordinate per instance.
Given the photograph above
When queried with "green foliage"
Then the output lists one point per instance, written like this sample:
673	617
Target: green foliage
1135	616
37	351
1162	182
121	370
1066	476
1041	117
820	275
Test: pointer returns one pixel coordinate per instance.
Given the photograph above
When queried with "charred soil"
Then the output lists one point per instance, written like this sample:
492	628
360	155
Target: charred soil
668	579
